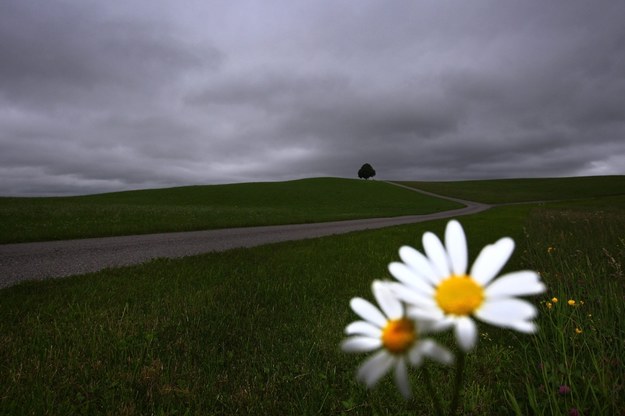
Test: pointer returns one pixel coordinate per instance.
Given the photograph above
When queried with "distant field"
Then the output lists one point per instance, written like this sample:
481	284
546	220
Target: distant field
526	190
207	207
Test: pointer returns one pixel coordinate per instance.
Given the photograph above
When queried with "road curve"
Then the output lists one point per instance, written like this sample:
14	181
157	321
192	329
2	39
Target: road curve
43	260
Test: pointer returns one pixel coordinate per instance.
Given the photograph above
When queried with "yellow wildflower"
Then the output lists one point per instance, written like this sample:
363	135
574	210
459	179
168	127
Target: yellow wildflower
549	305
571	302
554	300
578	330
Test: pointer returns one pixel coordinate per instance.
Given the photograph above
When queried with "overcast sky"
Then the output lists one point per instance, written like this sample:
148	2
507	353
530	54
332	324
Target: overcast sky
100	96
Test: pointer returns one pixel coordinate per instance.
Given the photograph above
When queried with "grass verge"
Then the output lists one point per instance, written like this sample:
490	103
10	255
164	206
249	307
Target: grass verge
207	207
575	363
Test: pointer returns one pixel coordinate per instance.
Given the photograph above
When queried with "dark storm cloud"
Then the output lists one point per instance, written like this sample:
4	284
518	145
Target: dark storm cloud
84	98
52	51
97	96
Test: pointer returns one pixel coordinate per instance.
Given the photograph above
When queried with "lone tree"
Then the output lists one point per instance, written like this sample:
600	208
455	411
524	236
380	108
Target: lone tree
366	171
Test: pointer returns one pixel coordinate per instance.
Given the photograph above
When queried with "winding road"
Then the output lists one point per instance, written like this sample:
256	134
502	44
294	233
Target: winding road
43	260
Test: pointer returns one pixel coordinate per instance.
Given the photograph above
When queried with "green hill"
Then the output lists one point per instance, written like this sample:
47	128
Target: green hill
207	207
526	190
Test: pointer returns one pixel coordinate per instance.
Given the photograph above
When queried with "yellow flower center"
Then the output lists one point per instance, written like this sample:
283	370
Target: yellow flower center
398	335
459	295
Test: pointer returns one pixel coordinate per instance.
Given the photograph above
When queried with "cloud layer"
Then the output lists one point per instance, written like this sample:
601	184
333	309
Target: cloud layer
97	96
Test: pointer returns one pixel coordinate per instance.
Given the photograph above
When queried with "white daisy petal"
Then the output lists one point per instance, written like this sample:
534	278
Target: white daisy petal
430	314
437	254
391	307
436	352
426	325
419	264
466	333
363	328
415	355
524	326
410	296
361	344
405	275
375	367
443	324
491	259
401	377
368	312
503	312
515	284
456	245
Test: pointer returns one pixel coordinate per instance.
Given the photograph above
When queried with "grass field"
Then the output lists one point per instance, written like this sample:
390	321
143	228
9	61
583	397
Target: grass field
527	190
207	207
256	331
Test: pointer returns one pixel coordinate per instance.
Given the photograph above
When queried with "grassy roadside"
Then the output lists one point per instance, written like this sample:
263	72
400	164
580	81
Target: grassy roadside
256	331
207	207
527	190
575	363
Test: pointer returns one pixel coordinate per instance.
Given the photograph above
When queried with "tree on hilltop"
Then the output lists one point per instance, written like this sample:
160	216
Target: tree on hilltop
366	171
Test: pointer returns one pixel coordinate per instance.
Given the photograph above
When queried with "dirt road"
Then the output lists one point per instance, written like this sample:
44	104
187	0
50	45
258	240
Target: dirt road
42	260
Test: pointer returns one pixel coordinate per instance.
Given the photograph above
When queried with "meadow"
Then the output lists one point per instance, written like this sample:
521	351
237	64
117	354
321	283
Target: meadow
193	208
257	331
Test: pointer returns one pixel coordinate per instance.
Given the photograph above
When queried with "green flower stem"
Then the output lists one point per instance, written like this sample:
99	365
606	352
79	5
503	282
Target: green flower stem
432	391
453	409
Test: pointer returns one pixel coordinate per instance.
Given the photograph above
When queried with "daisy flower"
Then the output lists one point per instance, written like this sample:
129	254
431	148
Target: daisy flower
393	337
436	286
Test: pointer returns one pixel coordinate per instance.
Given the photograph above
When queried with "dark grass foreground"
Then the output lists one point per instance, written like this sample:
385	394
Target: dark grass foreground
208	207
257	331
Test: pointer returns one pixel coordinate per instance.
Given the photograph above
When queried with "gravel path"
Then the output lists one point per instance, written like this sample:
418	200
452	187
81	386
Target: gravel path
42	260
